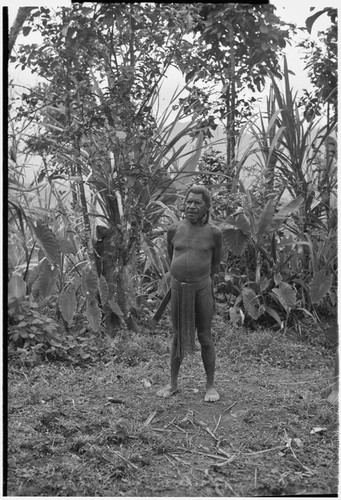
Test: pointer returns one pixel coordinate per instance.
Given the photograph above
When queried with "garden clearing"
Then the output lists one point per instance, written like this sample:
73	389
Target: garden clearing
98	429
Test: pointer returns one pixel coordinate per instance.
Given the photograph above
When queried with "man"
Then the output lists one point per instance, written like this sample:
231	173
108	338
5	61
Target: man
195	248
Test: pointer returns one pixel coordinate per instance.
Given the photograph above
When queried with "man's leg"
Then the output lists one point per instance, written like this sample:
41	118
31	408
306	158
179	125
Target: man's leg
203	315
175	364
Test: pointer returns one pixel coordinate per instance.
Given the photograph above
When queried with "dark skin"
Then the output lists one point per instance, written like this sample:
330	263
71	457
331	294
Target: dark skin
195	252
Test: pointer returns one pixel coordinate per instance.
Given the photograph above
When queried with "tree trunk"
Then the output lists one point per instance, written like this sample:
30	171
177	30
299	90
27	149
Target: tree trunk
269	174
230	105
110	264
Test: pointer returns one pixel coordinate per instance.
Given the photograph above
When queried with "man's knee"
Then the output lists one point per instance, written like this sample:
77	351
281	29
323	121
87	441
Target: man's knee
205	339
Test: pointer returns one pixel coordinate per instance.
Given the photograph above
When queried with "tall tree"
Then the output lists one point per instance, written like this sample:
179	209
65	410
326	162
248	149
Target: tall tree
100	67
235	45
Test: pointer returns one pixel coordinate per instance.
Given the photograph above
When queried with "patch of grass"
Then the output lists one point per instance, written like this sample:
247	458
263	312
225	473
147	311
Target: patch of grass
97	428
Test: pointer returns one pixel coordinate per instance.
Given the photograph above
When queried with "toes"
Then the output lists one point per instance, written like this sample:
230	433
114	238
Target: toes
166	392
211	396
211	399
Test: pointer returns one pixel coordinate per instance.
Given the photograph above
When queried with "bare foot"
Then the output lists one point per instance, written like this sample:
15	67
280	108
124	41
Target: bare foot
167	391
211	395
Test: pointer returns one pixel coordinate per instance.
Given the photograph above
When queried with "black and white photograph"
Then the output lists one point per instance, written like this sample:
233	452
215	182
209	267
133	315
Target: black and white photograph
170	236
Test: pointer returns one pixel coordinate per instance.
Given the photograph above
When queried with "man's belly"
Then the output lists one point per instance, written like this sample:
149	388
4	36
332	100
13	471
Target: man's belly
189	269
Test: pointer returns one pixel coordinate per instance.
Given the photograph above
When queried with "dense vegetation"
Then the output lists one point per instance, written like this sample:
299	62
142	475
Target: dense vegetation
86	232
97	170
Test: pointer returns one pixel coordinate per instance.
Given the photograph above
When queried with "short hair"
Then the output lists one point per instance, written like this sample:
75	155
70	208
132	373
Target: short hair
200	189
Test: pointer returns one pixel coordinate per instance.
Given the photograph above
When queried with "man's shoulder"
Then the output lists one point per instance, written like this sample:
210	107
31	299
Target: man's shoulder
173	227
215	229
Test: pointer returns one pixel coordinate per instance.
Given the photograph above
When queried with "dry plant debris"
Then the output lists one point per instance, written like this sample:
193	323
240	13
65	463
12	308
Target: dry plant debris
97	430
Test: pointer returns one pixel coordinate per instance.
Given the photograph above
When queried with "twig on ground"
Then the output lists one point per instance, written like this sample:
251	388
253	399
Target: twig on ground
291	383
230	488
217	425
230	407
180	460
177	427
161	430
125	459
288	445
169	460
114	400
150	418
280	447
217	457
304	467
22	371
170	423
206	428
256	477
225	454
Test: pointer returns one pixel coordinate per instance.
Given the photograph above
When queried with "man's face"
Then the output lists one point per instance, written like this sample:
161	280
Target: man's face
195	208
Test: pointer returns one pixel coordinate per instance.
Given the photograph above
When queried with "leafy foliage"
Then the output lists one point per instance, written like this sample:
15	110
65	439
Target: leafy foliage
321	62
100	70
320	285
267	275
235	45
68	304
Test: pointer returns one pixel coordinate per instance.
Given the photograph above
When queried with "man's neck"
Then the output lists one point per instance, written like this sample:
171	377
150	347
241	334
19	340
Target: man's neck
198	223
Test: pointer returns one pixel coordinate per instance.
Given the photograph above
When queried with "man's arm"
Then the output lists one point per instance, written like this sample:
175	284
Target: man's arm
170	234
217	250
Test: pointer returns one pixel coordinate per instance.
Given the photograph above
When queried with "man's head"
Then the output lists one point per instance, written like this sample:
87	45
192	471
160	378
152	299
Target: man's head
197	204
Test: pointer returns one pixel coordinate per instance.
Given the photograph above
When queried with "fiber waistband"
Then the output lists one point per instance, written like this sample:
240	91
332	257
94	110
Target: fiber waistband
202	281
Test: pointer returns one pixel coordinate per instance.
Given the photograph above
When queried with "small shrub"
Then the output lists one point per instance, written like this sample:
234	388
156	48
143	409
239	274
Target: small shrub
32	334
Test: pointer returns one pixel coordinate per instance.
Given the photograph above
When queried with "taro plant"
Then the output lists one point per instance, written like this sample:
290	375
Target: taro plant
261	277
101	71
29	329
295	158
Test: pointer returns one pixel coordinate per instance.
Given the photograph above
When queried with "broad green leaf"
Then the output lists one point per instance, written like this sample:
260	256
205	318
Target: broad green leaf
103	289
286	295
47	242
290	207
278	278
67	246
265	219
116	309
251	303
16	287
163	285
32	276
271	311
93	313
243	224
68	304
153	255
311	19
46	282
89	281
264	284
184	176
235	239
320	286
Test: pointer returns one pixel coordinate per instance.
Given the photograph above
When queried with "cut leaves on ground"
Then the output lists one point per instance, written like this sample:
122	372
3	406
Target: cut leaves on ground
97	429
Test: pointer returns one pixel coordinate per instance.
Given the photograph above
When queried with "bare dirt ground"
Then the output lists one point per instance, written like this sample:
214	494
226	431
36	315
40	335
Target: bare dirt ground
98	429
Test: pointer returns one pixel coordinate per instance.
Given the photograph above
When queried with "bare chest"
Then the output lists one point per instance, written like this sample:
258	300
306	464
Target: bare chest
193	238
